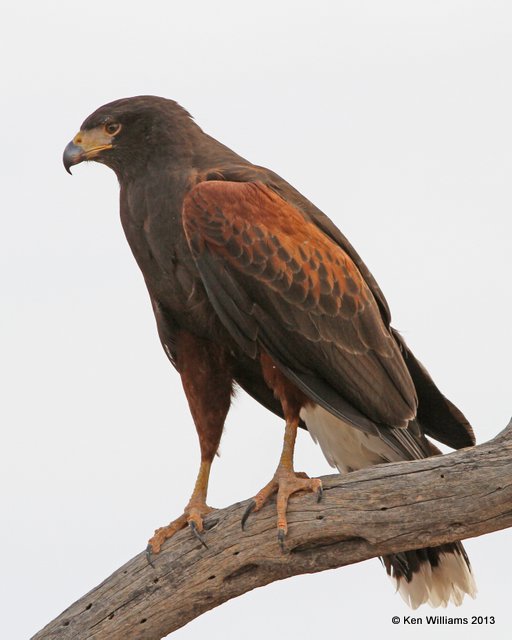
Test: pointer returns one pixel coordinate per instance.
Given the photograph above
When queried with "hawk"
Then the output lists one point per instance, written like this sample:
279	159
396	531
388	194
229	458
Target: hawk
252	285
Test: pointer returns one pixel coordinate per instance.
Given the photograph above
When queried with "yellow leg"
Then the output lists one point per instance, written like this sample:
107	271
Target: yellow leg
285	483
192	515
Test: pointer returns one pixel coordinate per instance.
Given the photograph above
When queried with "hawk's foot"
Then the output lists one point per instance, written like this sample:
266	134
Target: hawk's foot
285	483
192	516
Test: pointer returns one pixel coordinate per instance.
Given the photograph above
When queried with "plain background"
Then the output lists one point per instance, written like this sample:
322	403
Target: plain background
394	118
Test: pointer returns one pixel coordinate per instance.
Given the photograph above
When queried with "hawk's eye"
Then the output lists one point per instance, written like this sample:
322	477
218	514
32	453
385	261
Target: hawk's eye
112	128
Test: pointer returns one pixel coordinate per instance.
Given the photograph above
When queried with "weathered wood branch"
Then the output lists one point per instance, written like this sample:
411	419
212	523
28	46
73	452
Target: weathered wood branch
368	513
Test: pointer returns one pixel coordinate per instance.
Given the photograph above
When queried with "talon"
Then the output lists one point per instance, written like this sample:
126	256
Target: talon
149	551
197	533
319	494
250	508
281	534
193	516
285	483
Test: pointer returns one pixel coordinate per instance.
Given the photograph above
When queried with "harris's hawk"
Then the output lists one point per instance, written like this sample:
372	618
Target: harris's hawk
252	285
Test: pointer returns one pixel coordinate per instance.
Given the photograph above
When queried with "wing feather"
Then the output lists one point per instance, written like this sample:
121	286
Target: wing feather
281	284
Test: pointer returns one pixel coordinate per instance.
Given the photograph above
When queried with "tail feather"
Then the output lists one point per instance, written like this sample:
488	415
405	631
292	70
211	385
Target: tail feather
434	575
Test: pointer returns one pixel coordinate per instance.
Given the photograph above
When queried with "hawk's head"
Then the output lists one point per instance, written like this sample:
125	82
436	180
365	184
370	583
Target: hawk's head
131	134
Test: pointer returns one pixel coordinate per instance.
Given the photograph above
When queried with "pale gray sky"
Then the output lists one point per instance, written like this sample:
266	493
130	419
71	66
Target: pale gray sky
393	117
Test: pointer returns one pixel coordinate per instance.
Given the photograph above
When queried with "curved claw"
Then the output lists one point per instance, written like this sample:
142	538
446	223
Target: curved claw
149	552
250	508
281	534
319	494
197	533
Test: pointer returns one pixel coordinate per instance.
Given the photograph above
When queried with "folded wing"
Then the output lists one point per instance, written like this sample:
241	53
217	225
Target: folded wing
280	284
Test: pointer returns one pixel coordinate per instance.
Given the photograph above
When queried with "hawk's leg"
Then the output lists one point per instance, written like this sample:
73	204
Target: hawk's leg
286	480
206	374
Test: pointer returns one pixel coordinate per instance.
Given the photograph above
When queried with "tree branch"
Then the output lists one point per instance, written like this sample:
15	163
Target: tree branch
376	511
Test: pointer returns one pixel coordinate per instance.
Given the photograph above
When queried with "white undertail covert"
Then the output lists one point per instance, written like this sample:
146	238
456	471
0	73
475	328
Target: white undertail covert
349	449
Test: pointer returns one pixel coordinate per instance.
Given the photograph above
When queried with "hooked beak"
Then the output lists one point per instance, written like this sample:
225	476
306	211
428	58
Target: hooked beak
73	154
86	145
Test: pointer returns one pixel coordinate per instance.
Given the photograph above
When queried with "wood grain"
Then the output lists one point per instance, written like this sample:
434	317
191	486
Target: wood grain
384	509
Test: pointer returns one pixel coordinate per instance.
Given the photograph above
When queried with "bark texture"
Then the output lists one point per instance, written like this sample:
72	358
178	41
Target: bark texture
376	511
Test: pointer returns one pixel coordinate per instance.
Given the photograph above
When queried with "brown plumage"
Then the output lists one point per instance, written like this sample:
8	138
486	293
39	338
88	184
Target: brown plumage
252	285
